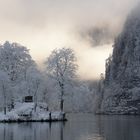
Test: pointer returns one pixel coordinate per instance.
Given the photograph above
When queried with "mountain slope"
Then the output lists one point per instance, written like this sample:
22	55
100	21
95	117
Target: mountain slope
122	80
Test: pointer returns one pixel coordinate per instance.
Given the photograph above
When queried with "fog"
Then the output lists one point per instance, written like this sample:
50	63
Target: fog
88	26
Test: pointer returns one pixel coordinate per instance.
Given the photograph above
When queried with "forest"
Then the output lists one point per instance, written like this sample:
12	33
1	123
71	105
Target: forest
58	85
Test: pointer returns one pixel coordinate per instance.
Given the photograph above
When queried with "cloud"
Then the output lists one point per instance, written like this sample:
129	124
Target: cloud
77	12
99	35
43	25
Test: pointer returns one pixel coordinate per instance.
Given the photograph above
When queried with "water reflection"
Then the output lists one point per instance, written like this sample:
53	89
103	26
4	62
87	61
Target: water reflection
79	127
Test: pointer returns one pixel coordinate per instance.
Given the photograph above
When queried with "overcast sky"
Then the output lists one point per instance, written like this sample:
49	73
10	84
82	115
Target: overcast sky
88	26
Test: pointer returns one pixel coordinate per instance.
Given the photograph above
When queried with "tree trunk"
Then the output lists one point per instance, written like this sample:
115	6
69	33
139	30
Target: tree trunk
35	98
62	100
35	102
61	105
50	116
35	106
4	93
4	110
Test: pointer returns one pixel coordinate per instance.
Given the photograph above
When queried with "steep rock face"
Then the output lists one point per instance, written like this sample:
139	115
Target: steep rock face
122	79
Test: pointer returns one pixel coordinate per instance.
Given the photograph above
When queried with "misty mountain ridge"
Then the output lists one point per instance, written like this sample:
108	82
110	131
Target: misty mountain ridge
121	94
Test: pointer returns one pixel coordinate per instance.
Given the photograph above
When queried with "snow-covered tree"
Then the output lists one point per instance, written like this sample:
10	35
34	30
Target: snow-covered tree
61	66
34	81
15	60
80	98
98	98
51	93
4	86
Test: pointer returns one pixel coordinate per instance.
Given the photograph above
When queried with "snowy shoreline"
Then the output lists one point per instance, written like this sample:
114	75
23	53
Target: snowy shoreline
47	117
18	120
24	112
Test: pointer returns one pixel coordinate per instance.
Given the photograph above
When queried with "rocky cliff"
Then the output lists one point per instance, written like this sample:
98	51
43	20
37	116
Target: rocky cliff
122	79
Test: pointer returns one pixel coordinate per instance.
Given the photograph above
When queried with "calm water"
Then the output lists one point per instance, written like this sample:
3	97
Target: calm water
79	127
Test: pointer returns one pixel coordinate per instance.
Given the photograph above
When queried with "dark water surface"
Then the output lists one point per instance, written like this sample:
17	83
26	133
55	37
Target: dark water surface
79	127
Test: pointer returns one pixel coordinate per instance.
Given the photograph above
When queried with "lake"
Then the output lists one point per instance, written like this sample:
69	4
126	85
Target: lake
78	127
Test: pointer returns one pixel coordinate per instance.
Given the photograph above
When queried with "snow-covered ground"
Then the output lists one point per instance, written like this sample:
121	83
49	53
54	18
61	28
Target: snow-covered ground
26	112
